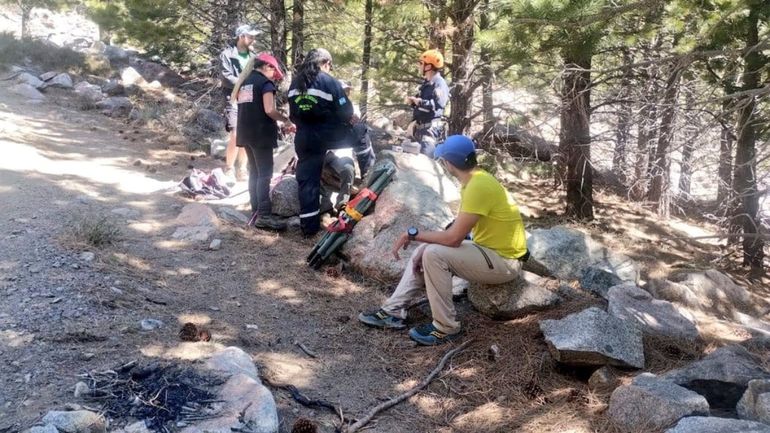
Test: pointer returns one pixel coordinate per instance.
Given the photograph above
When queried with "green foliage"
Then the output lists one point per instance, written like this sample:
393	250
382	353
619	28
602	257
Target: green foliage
161	27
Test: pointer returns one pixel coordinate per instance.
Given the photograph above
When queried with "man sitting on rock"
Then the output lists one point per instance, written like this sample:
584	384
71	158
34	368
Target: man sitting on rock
494	255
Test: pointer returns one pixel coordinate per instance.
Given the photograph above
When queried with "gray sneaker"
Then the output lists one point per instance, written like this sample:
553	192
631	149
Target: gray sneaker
270	222
381	319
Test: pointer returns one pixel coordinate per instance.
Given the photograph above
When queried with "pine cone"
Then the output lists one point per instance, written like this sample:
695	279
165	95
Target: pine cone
189	332
303	425
204	335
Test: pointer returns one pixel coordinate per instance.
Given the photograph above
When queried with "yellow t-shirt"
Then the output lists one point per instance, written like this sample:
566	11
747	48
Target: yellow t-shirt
500	227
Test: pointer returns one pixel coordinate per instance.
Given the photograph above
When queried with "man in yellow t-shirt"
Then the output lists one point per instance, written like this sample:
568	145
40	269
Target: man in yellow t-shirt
494	256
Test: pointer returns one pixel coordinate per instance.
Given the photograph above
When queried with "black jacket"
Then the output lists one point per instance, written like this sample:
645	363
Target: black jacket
322	114
435	97
255	128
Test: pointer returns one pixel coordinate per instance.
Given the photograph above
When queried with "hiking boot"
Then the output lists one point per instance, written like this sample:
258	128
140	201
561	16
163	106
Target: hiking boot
270	222
381	319
428	335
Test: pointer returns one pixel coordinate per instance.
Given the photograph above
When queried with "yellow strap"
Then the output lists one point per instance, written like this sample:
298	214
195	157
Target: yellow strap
356	215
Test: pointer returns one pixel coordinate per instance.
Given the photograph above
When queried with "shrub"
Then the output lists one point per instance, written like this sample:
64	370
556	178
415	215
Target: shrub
92	230
39	53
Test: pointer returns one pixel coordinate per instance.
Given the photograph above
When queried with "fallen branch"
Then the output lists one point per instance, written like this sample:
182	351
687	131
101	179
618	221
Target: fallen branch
396	400
307	351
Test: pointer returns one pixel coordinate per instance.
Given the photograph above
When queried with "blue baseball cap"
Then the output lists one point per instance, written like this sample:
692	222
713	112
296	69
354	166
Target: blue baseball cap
455	149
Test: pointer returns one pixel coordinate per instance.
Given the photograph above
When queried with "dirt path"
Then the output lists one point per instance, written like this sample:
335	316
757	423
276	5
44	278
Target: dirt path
63	315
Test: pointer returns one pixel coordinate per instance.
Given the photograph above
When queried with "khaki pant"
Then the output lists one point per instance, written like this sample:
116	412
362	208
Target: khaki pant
469	261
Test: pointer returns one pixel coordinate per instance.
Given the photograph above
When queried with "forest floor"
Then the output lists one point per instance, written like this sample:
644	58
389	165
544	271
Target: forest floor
63	313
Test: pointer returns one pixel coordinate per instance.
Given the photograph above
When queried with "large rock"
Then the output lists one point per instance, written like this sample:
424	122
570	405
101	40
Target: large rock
48	428
566	252
62	81
755	403
115	106
131	77
113	88
27	91
78	421
653	316
702	424
284	196
593	337
650	403
420	195
514	299
209	120
152	71
232	360
197	223
117	56
89	92
248	406
709	291
27	78
721	376
598	280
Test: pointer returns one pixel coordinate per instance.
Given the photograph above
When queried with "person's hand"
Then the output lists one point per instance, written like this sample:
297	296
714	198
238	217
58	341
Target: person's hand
288	128
417	259
401	244
412	100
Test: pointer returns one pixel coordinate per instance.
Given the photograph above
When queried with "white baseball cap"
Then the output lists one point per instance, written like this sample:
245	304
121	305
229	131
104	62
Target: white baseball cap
246	30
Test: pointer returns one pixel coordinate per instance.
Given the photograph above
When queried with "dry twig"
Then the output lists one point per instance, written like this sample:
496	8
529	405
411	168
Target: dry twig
396	400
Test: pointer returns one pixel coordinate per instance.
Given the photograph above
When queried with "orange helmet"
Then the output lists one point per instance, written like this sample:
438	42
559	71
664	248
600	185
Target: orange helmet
433	57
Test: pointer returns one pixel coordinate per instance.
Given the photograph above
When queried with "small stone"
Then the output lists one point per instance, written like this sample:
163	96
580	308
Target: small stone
116	290
75	266
81	389
215	245
603	380
62	81
87	256
137	427
251	326
493	353
151	324
79	421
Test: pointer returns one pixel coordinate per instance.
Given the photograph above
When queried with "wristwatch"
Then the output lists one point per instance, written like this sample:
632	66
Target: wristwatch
412	233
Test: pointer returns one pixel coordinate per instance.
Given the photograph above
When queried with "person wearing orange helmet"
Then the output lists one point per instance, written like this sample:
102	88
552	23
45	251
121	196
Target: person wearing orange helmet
429	103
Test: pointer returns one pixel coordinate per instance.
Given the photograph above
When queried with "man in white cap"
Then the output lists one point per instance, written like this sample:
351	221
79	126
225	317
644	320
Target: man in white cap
232	61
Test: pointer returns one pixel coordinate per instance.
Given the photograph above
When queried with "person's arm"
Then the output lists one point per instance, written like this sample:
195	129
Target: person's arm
451	237
268	101
227	68
343	103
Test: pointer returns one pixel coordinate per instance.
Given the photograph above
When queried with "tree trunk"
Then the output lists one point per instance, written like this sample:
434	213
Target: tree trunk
297	33
685	170
438	23
724	189
462	15
278	30
624	121
366	58
26	10
658	194
575	134
745	177
487	76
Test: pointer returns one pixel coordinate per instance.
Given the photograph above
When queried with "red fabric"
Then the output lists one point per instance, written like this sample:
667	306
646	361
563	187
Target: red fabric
272	61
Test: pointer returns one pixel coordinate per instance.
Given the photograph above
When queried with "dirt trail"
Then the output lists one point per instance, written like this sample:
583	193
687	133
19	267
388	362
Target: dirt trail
63	314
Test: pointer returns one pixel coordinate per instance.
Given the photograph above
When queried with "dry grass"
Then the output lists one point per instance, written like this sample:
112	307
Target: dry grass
93	230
